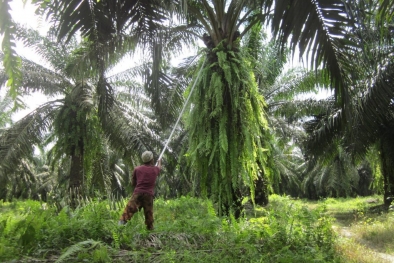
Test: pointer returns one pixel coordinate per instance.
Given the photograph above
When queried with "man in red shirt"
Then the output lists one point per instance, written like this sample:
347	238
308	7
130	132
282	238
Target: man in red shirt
144	179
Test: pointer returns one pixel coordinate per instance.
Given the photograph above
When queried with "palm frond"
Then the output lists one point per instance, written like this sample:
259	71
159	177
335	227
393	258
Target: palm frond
385	15
40	78
300	109
98	20
129	86
372	94
294	82
166	97
36	77
18	140
285	129
320	27
336	176
86	245
131	133
287	167
6	104
11	61
374	113
323	130
53	52
372	117
130	74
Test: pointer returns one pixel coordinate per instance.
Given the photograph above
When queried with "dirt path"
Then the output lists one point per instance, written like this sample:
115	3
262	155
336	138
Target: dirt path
346	233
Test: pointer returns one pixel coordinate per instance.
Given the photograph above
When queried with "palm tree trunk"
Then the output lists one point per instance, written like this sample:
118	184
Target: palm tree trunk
261	194
76	179
386	153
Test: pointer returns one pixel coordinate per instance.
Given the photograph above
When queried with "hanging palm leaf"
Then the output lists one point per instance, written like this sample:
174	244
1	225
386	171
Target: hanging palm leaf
11	61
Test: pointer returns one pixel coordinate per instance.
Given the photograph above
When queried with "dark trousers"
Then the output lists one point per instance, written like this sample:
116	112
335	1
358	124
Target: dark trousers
136	202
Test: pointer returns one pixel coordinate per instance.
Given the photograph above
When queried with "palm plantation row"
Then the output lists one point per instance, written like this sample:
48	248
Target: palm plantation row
248	132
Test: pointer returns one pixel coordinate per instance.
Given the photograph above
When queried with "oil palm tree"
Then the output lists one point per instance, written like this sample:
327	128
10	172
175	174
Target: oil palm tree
372	95
222	158
73	119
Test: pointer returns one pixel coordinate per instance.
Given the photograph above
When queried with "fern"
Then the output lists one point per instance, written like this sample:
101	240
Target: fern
83	246
115	236
227	127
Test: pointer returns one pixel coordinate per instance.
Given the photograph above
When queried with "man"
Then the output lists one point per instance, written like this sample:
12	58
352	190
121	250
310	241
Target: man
144	179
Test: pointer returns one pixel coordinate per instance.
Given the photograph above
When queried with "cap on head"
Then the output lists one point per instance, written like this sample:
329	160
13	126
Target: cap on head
147	156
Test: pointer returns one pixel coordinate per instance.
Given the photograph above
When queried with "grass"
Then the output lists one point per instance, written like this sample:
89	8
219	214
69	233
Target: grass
364	231
376	231
186	230
353	252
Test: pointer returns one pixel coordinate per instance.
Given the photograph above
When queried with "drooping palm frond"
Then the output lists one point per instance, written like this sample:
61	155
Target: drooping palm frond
131	133
336	177
374	113
97	57
18	140
167	98
371	73
286	130
130	74
385	16
53	52
176	38
294	83
323	130
36	77
129	86
49	80
288	170
11	61
300	109
39	78
5	110
322	28
99	20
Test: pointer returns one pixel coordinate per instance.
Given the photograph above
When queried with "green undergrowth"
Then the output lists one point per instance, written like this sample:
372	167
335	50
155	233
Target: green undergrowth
364	225
346	211
367	223
186	230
